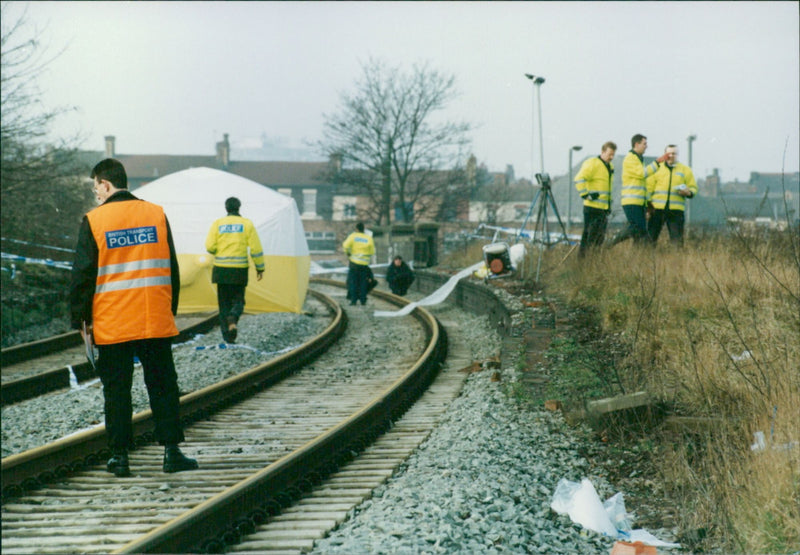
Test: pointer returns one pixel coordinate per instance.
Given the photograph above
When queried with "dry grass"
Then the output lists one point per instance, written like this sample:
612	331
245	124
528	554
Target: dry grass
713	330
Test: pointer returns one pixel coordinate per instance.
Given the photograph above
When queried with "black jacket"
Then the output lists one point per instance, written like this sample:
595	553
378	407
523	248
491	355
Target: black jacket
84	269
399	277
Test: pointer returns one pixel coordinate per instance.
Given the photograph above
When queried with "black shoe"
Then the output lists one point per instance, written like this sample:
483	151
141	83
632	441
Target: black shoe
175	461
232	331
118	465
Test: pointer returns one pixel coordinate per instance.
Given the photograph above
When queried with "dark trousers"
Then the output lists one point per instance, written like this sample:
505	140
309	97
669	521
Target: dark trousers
115	368
357	283
637	224
674	220
595	222
230	298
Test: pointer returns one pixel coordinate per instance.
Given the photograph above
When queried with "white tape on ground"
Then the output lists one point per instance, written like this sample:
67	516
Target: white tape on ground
436	297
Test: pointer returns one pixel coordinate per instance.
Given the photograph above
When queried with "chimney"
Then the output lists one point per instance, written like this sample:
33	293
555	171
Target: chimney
110	147
224	152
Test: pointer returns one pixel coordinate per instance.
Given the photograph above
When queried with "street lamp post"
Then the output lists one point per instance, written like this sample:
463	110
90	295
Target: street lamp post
691	139
569	185
537	81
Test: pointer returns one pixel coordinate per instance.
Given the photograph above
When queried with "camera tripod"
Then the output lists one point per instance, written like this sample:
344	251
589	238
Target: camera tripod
541	227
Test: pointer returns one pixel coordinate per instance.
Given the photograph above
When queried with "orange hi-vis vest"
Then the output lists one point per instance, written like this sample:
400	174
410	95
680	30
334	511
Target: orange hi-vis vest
133	291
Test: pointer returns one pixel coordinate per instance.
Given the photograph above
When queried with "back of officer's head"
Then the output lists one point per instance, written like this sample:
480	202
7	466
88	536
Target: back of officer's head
360	227
111	170
232	205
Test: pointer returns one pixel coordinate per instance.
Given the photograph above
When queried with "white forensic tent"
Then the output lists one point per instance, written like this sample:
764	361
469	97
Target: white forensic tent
194	198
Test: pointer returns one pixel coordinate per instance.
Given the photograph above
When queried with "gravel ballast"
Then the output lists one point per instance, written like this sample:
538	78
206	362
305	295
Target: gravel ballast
199	362
481	483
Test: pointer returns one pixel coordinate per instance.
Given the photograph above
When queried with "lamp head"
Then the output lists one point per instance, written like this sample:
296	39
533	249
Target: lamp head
691	137
538	81
530	76
577	147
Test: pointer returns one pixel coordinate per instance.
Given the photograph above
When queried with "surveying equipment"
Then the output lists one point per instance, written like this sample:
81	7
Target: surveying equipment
541	227
497	258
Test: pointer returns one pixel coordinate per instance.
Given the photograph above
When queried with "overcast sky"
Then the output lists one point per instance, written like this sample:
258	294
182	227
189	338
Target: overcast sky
172	77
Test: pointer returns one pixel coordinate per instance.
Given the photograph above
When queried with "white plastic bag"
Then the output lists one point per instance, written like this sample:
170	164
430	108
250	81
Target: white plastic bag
582	504
615	509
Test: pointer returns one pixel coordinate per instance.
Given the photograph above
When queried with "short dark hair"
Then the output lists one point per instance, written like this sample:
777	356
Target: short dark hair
112	171
609	144
232	204
360	227
636	139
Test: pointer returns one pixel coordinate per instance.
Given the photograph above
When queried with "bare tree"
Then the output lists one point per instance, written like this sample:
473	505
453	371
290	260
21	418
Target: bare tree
392	146
42	197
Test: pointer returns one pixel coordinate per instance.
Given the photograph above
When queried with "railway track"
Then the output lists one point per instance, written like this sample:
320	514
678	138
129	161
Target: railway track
262	438
39	367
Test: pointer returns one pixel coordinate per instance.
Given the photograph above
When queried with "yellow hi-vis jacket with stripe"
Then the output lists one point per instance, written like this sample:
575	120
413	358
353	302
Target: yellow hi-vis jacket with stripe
133	291
359	248
595	177
228	240
663	185
634	173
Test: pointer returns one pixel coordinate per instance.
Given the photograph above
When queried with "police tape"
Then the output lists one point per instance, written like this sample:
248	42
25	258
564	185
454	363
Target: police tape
74	385
21	242
436	297
41	261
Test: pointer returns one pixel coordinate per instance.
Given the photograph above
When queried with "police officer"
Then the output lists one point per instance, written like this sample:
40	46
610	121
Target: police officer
634	191
594	186
668	190
228	240
359	248
124	291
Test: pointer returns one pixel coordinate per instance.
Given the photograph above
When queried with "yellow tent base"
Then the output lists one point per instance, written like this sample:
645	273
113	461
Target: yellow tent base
282	289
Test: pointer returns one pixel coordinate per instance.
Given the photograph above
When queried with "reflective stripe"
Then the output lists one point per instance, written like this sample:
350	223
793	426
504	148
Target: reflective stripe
148	264
633	196
363	258
633	192
125	284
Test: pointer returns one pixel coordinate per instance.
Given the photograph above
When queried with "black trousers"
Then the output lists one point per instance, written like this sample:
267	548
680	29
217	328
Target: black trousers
674	220
595	222
115	367
230	298
357	286
637	223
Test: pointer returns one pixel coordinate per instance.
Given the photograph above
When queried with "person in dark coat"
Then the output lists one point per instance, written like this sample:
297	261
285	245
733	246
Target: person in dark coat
123	296
399	276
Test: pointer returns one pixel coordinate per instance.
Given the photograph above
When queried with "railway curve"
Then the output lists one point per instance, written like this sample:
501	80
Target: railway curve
238	499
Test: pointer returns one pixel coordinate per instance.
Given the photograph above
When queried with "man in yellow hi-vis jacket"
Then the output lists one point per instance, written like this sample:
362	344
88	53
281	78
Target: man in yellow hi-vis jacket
634	190
359	248
228	240
667	191
594	186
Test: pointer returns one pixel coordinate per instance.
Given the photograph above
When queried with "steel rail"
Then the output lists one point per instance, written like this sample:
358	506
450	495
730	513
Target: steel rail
223	518
59	378
27	470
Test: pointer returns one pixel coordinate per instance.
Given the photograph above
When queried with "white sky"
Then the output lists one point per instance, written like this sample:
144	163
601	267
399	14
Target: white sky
171	77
